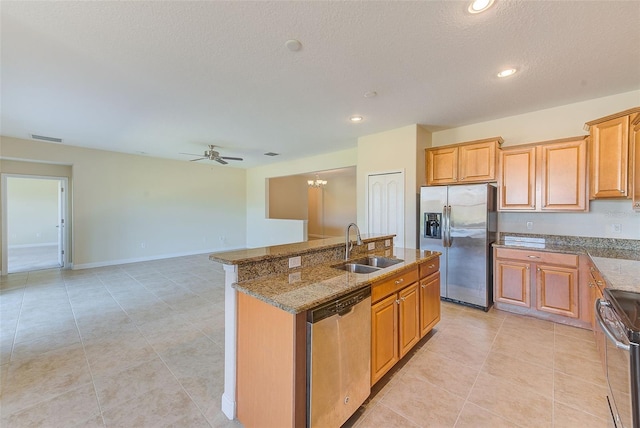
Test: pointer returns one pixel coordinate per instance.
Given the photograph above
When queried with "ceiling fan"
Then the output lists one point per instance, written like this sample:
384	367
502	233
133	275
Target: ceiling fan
213	155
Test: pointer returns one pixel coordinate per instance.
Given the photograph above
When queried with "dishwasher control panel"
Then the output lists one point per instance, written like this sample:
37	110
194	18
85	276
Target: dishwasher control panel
339	306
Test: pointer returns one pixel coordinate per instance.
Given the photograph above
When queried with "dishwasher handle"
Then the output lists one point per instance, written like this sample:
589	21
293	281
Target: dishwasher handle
341	306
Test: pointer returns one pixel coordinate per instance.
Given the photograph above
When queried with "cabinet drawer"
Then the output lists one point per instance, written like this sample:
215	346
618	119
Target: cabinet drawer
429	268
537	256
381	289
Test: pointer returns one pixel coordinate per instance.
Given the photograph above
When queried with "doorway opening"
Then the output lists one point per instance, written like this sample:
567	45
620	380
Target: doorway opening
33	212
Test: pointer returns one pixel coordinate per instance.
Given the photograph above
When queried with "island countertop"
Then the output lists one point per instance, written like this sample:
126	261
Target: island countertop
304	288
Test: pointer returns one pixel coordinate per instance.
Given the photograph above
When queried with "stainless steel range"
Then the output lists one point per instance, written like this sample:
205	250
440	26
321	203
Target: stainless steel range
618	315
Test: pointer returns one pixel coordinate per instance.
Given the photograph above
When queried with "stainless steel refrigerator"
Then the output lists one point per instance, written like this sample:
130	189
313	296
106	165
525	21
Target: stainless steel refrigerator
461	222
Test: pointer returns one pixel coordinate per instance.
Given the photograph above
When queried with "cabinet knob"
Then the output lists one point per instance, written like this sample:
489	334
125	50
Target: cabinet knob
538	269
590	284
527	267
398	301
621	191
403	298
423	286
533	205
431	266
534	257
599	282
400	281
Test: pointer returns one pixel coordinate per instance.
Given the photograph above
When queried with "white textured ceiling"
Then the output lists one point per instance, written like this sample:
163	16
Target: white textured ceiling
165	77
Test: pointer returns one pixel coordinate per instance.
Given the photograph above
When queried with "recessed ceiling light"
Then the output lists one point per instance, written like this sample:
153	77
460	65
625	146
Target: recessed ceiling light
478	6
355	119
507	72
293	45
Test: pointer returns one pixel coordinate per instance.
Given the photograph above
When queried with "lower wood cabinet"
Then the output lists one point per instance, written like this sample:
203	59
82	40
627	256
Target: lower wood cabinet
404	309
538	282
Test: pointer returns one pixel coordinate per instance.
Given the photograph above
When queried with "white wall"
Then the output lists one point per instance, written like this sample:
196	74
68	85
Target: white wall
288	198
339	205
400	149
32	211
550	124
260	230
121	202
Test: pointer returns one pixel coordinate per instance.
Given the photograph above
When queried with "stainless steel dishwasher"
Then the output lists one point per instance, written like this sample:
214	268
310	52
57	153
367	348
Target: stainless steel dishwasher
338	359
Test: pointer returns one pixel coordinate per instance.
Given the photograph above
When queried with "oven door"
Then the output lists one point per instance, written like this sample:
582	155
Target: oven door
618	355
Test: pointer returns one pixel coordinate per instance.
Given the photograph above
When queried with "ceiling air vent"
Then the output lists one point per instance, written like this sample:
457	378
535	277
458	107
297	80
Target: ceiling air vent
44	138
271	154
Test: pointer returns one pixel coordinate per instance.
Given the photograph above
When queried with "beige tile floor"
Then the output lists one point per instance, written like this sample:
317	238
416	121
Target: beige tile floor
141	345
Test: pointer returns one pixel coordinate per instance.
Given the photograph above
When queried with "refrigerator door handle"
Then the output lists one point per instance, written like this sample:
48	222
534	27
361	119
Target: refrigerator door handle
445	226
449	226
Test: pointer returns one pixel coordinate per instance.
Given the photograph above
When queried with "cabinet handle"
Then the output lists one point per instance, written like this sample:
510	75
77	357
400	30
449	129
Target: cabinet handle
599	282
398	301
590	284
423	286
431	266
527	267
403	298
592	269
538	269
534	257
621	191
400	281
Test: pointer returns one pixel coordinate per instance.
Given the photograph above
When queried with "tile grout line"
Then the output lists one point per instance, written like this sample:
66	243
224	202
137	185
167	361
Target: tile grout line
84	351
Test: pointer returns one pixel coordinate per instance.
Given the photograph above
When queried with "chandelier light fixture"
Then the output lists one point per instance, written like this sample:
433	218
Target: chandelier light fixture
317	182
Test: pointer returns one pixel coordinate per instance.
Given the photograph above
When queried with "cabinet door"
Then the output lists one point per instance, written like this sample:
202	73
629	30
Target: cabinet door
635	162
429	303
564	176
609	158
512	282
477	162
384	337
409	318
557	290
442	166
517	180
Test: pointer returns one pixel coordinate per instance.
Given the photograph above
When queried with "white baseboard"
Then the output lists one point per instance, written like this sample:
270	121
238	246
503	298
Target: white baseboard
147	259
46	244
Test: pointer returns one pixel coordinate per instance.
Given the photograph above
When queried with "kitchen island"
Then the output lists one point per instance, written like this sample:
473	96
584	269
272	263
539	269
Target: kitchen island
273	302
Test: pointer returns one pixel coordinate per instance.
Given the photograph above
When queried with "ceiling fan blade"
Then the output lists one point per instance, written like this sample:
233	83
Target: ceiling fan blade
219	160
193	160
231	158
190	154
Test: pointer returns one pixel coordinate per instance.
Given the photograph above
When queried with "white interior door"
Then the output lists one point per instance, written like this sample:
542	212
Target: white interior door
385	208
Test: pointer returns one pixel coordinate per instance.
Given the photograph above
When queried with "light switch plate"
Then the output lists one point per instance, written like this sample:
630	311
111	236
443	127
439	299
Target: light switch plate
387	242
617	228
295	262
371	246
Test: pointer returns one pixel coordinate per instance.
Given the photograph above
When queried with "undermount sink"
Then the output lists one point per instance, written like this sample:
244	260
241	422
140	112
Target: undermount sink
368	264
379	262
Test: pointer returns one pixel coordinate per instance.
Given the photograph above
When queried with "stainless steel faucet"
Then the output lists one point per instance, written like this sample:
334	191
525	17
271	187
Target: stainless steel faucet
347	243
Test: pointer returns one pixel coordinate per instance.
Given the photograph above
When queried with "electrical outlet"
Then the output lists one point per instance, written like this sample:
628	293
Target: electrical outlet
143	245
529	225
371	246
387	242
295	277
617	228
295	262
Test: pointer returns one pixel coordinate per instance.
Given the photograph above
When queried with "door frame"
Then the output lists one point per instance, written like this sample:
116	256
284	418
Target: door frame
63	208
404	201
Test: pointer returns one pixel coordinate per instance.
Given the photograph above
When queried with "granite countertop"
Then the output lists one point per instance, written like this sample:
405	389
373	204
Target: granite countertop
251	255
620	267
305	288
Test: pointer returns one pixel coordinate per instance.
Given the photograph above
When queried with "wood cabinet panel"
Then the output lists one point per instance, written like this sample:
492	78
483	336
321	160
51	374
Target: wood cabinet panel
471	162
429	268
442	165
537	256
609	158
429	303
512	282
635	162
477	162
517	179
409	318
557	290
384	338
384	288
563	178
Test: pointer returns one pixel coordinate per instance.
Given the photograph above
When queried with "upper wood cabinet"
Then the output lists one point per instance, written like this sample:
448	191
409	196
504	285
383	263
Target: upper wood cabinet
609	168
635	161
551	176
472	162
